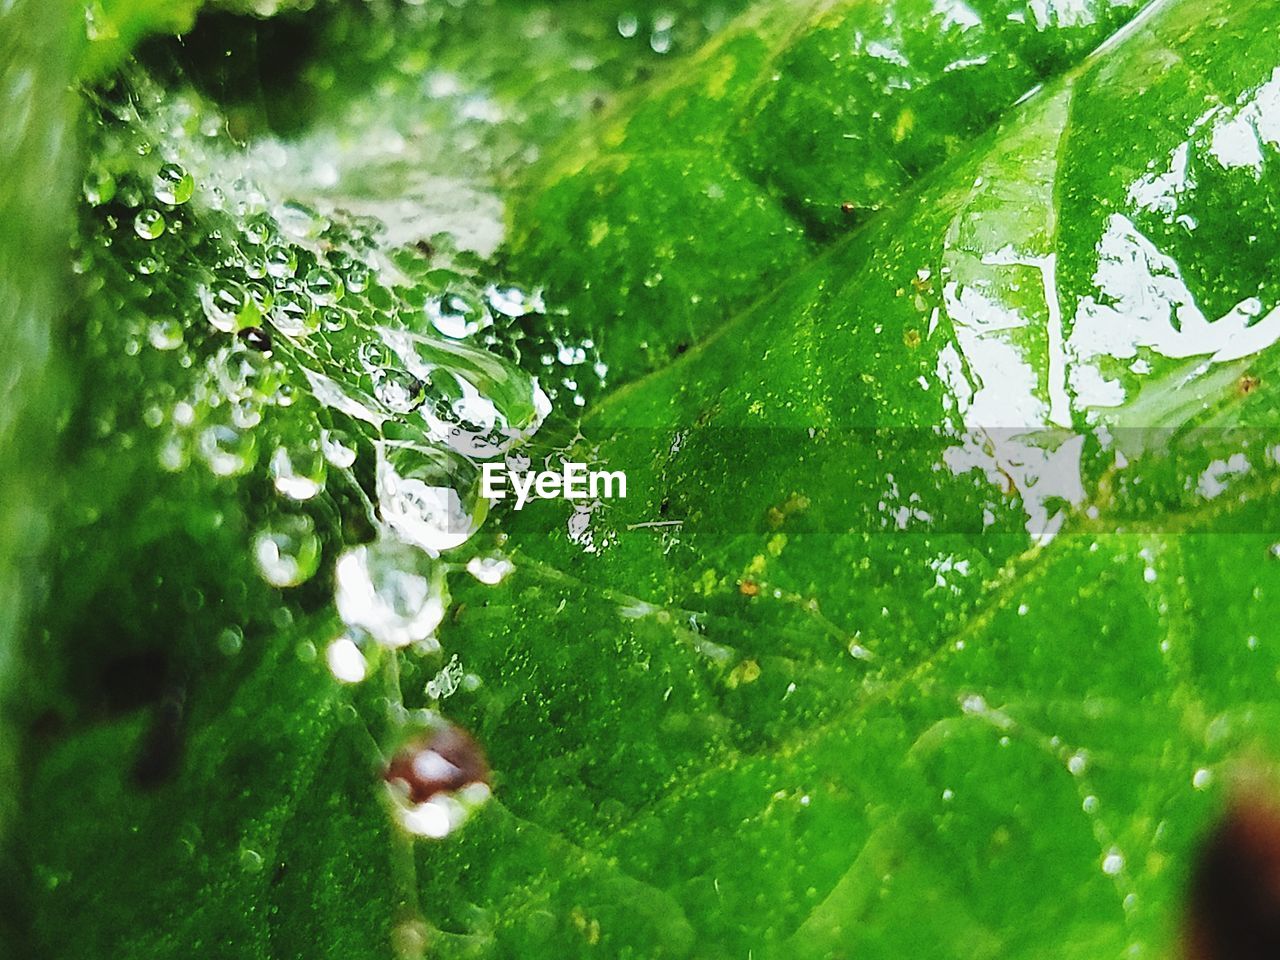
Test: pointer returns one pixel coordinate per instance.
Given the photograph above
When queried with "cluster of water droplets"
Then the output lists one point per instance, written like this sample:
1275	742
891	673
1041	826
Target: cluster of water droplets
290	356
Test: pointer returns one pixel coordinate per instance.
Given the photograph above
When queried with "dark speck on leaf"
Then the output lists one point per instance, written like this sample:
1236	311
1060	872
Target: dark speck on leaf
257	338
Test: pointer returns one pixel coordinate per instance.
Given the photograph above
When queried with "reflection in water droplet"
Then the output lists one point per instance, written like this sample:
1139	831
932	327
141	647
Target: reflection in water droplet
298	473
392	591
288	551
345	661
458	314
428	496
173	185
149	224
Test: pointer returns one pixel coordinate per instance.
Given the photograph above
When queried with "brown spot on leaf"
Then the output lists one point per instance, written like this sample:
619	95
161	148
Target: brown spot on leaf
1235	888
441	761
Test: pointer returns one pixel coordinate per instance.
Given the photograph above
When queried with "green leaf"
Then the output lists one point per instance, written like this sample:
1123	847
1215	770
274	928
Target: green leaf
37	52
797	123
936	619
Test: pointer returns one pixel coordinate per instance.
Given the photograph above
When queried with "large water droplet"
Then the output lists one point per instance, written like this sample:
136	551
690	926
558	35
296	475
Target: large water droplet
165	334
429	496
228	452
392	591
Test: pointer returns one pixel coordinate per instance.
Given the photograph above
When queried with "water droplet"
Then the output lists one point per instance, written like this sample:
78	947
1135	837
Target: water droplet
458	314
250	860
392	591
1113	862
173	185
281	262
1202	779
490	570
397	390
99	186
418	495
324	287
258	230
345	661
228	452
223	302
293	314
514	302
149	224
165	334
1078	763
288	551
339	449
298	473
230	641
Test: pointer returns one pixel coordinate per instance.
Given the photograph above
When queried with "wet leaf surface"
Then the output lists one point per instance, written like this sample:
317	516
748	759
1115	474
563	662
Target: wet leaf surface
937	620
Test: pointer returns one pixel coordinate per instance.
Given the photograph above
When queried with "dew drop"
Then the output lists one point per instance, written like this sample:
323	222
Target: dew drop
298	473
288	551
281	262
149	224
392	591
338	448
490	570
228	452
223	301
99	186
173	185
458	314
418	496
345	661
165	334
